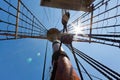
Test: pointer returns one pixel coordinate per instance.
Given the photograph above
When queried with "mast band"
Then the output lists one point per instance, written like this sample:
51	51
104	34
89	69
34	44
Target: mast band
57	54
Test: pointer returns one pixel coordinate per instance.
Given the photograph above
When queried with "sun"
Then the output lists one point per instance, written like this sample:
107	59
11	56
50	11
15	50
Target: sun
77	29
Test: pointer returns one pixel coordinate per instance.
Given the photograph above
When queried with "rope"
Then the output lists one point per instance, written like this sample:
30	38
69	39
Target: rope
79	70
93	66
101	22
32	14
100	67
85	70
44	61
47	16
27	27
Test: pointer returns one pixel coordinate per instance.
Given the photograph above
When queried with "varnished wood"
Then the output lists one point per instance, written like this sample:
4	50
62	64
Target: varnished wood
65	70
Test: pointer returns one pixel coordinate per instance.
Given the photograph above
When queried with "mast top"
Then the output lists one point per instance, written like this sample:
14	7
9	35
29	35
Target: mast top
53	34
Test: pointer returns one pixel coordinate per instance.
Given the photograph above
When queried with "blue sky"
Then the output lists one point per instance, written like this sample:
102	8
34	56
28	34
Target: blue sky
15	59
22	59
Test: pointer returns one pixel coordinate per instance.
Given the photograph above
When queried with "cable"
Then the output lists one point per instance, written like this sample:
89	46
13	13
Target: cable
8	18
91	75
93	66
46	15
43	76
26	23
85	70
33	15
99	65
79	70
107	72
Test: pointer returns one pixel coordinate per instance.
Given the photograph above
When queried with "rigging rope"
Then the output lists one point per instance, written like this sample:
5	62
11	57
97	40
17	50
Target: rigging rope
47	16
28	25
101	22
72	49
32	14
107	72
85	70
43	75
91	75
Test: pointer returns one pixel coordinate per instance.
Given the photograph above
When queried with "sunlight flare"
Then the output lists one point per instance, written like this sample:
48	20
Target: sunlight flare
29	60
38	54
77	29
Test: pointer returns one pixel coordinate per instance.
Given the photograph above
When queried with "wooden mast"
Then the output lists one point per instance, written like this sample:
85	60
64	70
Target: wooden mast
62	67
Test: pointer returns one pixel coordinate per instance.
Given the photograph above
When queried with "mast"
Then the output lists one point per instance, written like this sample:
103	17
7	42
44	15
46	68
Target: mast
62	67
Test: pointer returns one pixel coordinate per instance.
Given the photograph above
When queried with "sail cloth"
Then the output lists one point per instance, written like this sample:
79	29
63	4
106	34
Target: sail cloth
80	5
